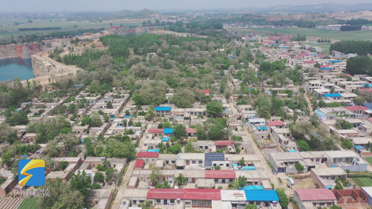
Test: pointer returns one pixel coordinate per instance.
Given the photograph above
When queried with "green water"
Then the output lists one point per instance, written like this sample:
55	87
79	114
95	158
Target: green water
15	67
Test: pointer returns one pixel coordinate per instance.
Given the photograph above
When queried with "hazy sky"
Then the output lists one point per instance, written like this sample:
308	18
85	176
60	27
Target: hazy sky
115	5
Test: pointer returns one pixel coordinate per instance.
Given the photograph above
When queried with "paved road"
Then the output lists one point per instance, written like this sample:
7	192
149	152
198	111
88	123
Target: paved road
123	186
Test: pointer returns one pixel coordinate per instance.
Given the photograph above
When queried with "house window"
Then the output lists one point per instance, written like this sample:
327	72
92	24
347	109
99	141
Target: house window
193	162
158	201
208	203
201	203
194	203
200	162
134	202
171	201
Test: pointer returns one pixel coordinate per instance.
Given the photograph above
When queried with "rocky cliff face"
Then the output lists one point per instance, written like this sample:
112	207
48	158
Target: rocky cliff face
15	51
43	66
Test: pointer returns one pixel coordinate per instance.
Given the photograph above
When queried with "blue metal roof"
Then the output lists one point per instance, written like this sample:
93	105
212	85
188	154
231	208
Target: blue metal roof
320	113
163	108
334	61
165	139
168	131
209	157
127	116
261	195
248	168
332	95
153	150
253	187
368	105
358	147
291	150
262	128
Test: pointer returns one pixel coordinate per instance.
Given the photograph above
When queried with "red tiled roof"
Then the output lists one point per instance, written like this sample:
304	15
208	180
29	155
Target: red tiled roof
206	91
202	194
191	130
220	174
223	142
184	194
139	163
303	54
148	154
324	66
370	120
319	55
315	194
275	123
155	130
355	108
309	61
365	89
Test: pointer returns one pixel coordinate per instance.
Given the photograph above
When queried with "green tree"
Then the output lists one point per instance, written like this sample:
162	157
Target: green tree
299	167
63	165
155	176
81	182
339	186
303	145
347	143
180	131
251	206
176	148
180	179
17	118
189	148
73	200
242	161
109	105
214	109
98	177
283	199
117	149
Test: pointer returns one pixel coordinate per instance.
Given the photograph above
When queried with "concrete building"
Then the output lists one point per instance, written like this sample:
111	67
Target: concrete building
310	198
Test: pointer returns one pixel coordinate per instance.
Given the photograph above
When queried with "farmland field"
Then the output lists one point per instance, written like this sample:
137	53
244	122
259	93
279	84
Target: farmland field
362	182
325	34
29	203
369	159
10	27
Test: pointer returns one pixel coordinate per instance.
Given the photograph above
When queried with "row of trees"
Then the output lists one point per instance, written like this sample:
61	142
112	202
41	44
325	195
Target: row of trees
359	65
359	47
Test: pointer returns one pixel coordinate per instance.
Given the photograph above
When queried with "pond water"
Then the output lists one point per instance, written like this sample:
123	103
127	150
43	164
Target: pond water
16	67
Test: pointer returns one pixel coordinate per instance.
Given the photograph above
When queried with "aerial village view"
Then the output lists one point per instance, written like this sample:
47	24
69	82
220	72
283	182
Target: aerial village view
180	106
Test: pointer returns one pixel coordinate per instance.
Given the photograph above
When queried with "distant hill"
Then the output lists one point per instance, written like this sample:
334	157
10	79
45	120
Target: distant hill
139	14
123	13
145	13
319	8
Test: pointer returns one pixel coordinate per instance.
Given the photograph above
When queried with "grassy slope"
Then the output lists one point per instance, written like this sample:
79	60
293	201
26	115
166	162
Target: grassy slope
369	159
363	181
28	203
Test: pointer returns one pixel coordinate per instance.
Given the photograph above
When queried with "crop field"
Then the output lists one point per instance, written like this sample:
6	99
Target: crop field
315	32
369	159
9	27
29	203
362	182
